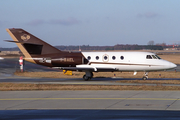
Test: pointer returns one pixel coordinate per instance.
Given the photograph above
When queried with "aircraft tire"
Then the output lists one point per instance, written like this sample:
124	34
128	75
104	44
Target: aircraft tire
144	78
86	78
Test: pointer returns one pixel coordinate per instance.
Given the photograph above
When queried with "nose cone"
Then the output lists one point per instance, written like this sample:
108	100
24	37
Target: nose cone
172	65
167	65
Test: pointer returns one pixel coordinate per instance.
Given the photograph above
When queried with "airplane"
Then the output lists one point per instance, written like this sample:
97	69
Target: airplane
39	52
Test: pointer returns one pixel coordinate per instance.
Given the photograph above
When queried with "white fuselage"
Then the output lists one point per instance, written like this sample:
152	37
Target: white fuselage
126	61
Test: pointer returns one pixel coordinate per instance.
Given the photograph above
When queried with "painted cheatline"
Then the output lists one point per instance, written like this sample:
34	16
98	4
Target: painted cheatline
39	52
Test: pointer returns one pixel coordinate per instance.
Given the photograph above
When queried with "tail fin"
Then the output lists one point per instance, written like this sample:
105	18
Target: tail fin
29	44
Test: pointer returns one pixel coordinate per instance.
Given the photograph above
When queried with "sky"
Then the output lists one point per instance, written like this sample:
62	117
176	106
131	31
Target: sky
93	22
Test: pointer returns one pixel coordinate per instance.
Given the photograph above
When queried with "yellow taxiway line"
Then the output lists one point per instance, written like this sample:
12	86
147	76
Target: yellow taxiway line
3	99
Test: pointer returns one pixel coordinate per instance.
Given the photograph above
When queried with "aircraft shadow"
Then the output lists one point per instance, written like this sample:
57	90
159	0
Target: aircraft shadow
98	114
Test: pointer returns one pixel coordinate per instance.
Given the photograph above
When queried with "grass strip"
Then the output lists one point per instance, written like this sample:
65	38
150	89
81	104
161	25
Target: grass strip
32	87
177	82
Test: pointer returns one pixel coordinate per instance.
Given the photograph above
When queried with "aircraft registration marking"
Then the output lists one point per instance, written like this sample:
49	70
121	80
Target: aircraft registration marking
66	59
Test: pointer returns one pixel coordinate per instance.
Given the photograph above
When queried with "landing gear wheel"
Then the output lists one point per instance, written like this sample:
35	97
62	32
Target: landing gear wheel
86	78
145	77
88	75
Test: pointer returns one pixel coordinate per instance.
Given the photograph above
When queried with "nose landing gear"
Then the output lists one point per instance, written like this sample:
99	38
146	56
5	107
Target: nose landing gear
145	77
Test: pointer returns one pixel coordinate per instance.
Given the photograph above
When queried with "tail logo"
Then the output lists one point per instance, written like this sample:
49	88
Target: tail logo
25	37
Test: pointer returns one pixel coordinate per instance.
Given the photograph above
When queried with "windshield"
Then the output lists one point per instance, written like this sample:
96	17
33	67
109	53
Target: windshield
157	56
152	57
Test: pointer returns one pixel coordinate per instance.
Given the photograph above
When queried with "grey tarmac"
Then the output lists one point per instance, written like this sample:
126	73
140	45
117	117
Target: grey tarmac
107	99
89	105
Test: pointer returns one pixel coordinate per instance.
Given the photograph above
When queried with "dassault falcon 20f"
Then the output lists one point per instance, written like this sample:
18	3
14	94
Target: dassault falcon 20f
39	52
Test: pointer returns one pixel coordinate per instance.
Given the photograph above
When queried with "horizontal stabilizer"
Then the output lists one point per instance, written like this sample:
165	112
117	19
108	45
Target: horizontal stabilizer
13	41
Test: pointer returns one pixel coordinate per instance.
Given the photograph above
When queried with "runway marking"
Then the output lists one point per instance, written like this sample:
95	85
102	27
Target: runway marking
3	99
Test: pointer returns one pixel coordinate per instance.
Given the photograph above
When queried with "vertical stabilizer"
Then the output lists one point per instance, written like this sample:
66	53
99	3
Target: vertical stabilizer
29	44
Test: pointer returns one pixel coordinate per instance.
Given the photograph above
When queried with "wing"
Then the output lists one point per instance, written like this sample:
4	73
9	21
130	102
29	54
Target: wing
82	68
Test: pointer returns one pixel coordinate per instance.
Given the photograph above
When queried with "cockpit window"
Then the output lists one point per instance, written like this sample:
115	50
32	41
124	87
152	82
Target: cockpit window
157	56
154	57
148	57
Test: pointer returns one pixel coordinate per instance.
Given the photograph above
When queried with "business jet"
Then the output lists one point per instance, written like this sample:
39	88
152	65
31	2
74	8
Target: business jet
39	52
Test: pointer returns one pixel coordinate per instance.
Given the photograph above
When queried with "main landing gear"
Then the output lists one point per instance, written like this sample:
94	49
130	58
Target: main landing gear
88	76
145	77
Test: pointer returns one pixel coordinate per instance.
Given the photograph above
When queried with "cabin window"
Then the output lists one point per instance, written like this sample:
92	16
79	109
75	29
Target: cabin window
97	57
89	57
105	57
122	57
113	57
148	57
